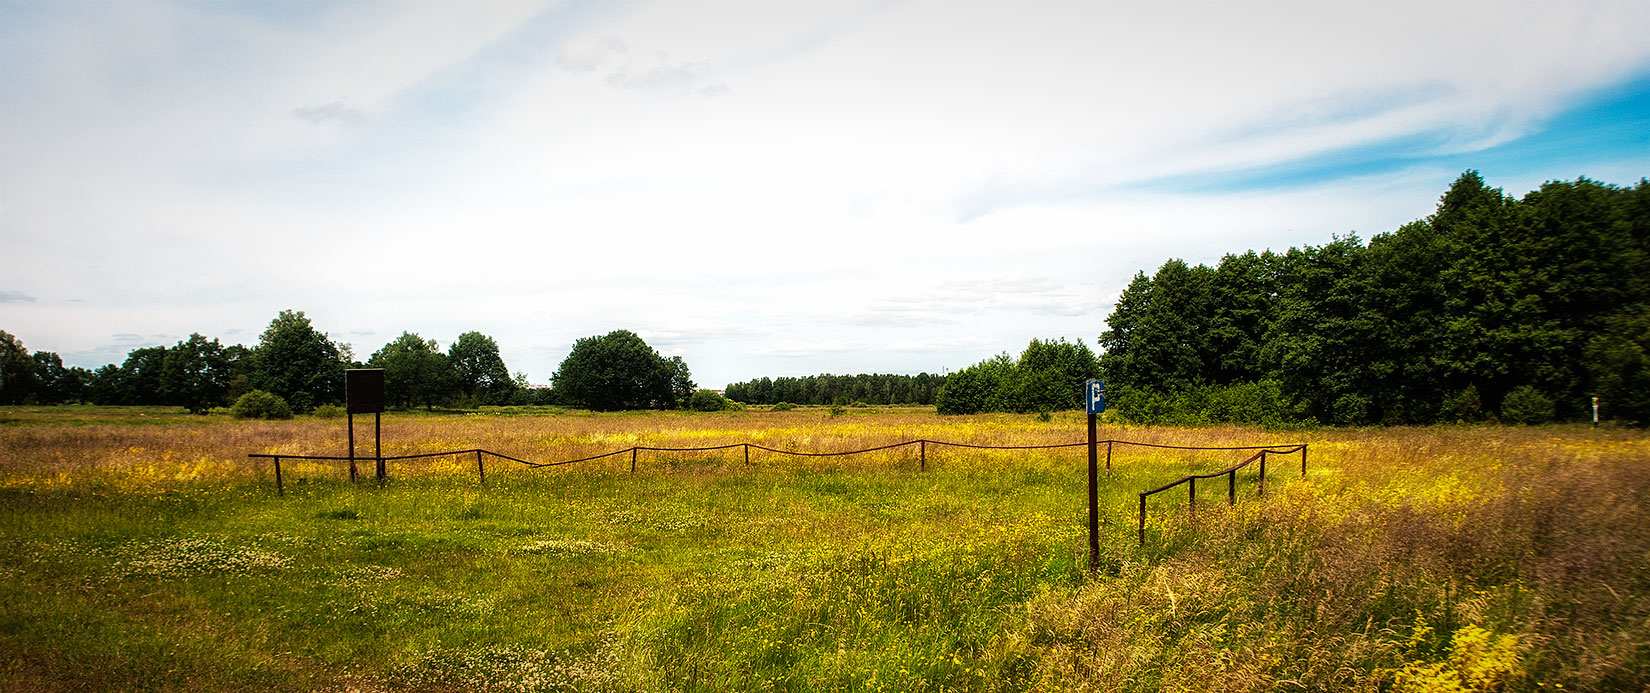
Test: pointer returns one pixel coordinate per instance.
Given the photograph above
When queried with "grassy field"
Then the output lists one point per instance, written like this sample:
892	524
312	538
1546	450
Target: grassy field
140	549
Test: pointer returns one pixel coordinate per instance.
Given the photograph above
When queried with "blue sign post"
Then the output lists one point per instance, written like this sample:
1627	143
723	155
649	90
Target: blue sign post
1094	394
1094	399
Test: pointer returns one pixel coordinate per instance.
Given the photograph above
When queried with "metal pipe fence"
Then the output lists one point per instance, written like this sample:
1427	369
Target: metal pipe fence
634	450
1260	457
1231	480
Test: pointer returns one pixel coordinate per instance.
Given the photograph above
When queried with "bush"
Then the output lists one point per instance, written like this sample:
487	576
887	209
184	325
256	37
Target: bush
782	406
258	404
329	411
1463	407
707	400
1526	405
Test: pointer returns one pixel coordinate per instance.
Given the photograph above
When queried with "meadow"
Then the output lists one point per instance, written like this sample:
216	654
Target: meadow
140	549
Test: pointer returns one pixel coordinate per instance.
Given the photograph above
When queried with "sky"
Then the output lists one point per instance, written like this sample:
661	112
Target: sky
762	188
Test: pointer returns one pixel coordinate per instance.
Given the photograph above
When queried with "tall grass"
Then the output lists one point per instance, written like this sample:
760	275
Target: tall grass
139	555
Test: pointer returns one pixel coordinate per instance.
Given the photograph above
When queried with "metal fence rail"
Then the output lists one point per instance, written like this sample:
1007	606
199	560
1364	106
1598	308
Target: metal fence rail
1231	479
634	450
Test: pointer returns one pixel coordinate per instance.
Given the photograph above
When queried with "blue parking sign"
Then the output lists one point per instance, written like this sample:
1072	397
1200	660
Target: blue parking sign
1094	394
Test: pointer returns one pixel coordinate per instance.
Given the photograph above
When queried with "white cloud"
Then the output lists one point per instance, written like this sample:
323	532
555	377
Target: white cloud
937	345
586	53
791	349
658	74
339	111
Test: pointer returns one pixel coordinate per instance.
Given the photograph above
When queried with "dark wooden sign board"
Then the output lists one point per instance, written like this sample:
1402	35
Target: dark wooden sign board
364	390
364	394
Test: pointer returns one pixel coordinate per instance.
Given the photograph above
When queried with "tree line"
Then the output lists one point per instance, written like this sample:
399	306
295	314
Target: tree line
1048	376
305	369
825	389
292	360
1490	308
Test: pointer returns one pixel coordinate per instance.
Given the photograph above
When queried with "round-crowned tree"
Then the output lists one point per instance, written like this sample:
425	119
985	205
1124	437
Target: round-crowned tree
415	371
619	371
299	364
707	400
258	404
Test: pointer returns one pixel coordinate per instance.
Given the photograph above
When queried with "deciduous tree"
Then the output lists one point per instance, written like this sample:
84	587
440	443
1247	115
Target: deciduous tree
415	371
299	364
616	371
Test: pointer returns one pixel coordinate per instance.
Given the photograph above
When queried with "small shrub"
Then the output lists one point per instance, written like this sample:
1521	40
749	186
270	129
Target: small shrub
329	411
1463	407
858	404
258	404
782	406
1044	416
707	400
1526	405
836	410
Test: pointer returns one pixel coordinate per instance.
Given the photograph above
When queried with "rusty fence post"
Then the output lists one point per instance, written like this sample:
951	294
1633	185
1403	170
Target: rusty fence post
1191	495
1260	489
632	459
279	489
1142	519
1231	488
1303	460
481	468
922	455
1108	456
747	447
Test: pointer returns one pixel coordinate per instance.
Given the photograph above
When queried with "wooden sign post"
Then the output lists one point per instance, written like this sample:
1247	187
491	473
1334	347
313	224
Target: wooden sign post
364	394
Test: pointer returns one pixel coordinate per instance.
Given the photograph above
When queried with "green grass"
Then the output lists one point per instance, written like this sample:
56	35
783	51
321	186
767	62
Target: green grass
1382	569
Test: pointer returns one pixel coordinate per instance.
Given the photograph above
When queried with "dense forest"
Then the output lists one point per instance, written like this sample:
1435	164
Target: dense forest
1520	310
872	388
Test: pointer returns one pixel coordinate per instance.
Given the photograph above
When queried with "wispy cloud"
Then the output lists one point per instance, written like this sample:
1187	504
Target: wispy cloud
586	53
954	300
792	349
678	337
937	345
652	71
340	111
15	297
